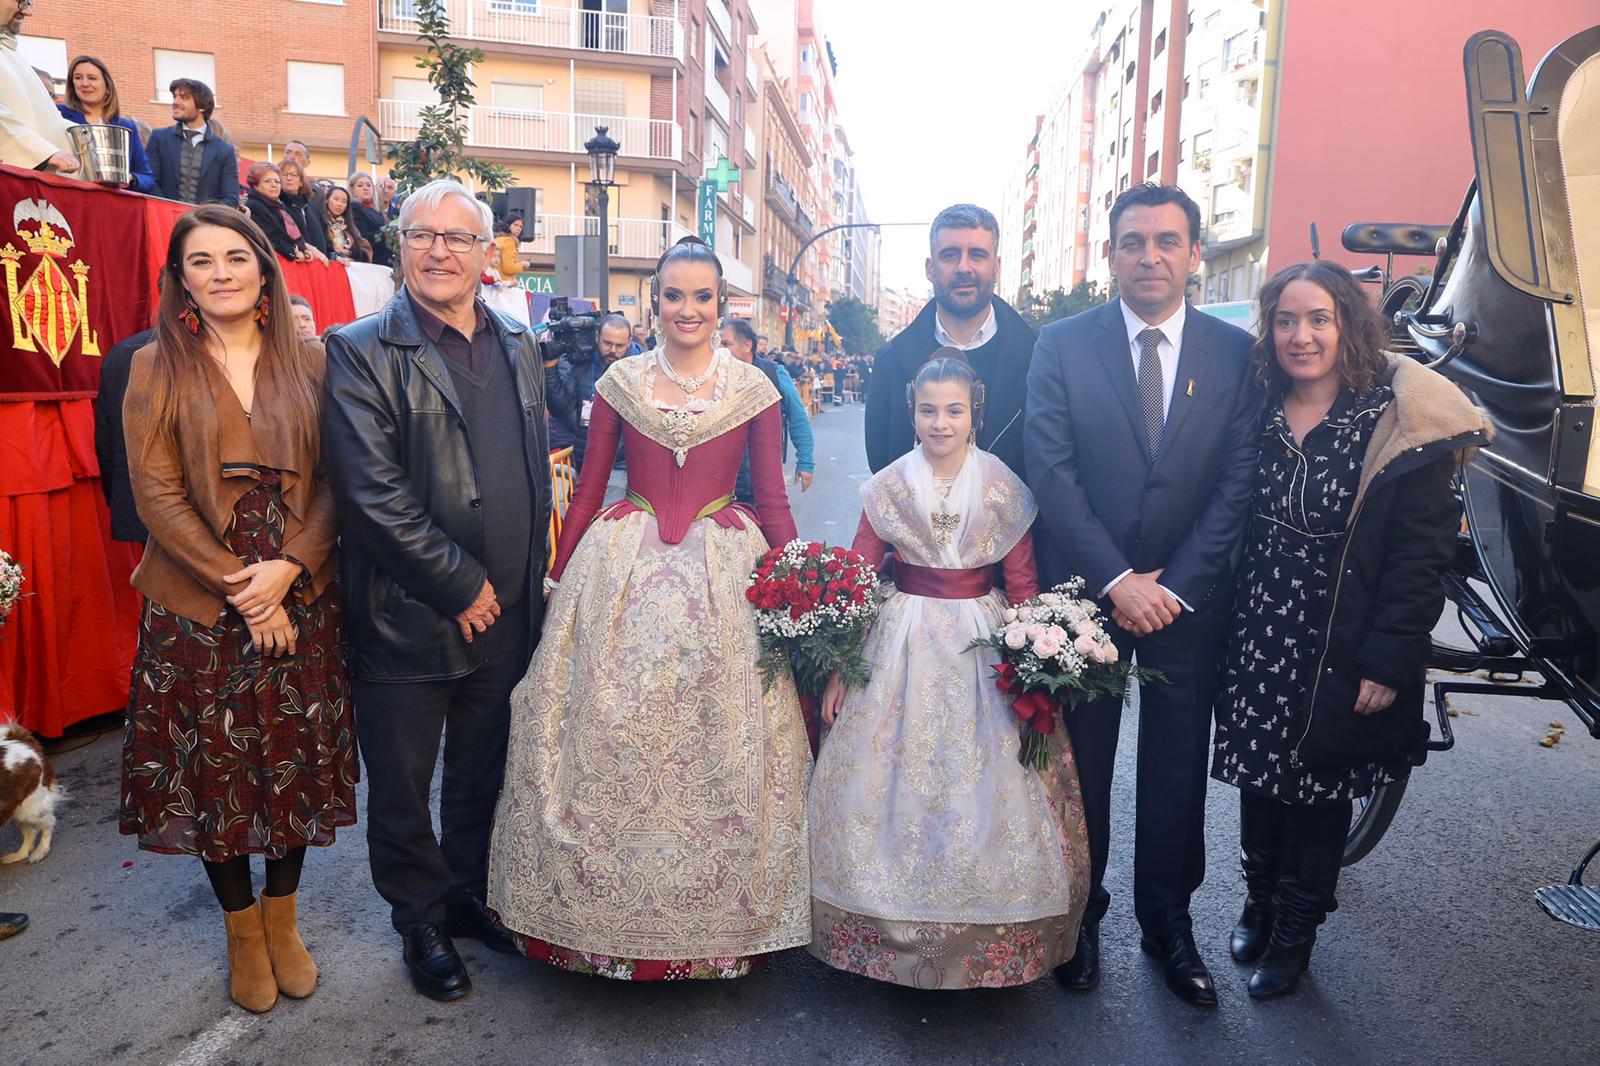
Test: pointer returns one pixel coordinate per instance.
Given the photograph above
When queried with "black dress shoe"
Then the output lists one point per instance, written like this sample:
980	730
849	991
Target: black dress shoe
1186	972
436	968
12	924
472	921
1082	972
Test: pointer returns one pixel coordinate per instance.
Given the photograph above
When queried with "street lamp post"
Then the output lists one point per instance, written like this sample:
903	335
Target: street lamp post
602	151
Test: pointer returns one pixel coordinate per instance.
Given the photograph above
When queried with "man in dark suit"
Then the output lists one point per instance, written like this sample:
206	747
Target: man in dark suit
1141	446
964	313
189	161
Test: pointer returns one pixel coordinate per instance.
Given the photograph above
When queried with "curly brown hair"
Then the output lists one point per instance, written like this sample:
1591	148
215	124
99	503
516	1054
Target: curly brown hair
1361	357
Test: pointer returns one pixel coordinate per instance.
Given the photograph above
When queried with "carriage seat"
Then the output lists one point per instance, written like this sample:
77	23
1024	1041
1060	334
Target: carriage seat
1393	238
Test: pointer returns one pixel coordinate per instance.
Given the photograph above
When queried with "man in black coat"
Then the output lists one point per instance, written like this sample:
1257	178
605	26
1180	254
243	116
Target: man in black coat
110	447
965	314
189	161
1141	447
434	434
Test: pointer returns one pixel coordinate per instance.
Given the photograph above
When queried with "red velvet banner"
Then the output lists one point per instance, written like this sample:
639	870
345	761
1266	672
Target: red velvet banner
325	285
65	249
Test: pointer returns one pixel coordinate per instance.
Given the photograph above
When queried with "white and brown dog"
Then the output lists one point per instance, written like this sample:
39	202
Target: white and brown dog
29	792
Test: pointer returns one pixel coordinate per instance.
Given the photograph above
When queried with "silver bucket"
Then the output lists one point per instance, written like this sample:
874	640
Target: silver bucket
102	153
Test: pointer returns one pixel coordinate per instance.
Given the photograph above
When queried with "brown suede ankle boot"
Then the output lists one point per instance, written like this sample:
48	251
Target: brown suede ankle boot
249	967
291	962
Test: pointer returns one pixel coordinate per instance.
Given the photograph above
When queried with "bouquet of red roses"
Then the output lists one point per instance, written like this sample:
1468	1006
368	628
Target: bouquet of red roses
813	605
1055	653
11	578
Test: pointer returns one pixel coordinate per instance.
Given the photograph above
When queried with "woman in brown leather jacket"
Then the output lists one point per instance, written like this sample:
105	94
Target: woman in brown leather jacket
239	738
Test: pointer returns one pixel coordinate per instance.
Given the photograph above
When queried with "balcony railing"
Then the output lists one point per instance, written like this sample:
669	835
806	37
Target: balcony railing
634	238
546	24
542	131
782	193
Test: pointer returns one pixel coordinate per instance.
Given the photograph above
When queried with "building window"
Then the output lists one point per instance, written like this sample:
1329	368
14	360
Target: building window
201	66
1161	43
1155	104
805	63
48	54
599	96
516	96
1153	164
1186	87
1132	68
316	88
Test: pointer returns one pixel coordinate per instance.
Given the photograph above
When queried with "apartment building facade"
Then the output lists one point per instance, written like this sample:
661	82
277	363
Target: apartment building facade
271	86
788	210
672	81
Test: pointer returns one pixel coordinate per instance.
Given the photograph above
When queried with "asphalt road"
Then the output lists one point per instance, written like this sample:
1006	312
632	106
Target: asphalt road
1438	953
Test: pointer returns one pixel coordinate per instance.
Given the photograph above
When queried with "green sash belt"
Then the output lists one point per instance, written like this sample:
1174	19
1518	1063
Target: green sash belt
705	512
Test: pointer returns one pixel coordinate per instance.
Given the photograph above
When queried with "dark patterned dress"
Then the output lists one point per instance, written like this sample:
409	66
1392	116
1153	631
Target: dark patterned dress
228	752
1301	501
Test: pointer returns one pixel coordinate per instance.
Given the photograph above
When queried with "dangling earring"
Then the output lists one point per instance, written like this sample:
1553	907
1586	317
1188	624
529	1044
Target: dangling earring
972	435
190	315
263	309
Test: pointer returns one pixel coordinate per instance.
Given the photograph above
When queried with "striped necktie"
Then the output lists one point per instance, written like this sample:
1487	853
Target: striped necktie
1151	387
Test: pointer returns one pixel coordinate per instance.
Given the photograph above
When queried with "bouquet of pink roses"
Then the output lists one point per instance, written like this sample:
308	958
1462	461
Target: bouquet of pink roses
1055	653
10	586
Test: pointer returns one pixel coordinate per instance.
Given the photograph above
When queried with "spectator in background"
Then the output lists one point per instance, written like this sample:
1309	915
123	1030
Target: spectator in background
369	220
642	341
92	99
32	132
267	210
507	240
297	152
344	235
110	447
762	347
612	341
739	338
192	160
386	198
305	319
298	201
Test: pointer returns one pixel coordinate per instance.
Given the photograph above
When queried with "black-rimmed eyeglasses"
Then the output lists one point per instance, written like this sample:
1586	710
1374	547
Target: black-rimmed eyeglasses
421	240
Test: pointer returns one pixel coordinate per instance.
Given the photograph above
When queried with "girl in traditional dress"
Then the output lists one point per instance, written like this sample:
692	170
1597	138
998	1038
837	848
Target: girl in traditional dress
652	824
239	737
939	860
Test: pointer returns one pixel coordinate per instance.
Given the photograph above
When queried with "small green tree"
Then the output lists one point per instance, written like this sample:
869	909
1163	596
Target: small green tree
439	148
857	325
1057	304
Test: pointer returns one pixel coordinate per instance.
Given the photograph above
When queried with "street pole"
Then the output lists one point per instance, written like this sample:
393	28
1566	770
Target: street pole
605	249
794	266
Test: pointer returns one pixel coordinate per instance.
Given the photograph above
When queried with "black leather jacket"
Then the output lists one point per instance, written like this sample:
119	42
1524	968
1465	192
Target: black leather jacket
411	534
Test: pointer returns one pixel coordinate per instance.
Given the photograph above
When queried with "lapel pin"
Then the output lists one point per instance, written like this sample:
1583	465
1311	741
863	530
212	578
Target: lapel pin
1191	387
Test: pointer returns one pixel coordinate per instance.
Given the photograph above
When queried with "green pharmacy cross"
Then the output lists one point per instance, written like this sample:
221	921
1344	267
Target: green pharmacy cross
723	174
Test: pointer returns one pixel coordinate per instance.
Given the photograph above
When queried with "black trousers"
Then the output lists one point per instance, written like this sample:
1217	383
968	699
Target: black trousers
1169	855
399	726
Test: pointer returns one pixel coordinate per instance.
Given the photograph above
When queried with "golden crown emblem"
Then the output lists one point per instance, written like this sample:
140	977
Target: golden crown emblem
46	241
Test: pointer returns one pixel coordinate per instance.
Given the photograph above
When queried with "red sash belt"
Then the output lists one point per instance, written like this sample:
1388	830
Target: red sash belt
942	584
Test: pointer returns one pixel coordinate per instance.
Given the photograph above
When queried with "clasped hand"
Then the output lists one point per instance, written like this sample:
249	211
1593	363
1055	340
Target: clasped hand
1141	606
480	613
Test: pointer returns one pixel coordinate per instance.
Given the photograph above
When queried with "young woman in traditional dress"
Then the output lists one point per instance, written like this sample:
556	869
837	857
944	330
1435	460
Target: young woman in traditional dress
939	860
239	737
652	824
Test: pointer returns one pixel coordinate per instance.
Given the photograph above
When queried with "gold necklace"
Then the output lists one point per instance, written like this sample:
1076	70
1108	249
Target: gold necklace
944	522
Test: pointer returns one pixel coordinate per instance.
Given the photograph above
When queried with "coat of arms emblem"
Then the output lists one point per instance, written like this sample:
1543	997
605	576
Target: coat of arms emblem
50	309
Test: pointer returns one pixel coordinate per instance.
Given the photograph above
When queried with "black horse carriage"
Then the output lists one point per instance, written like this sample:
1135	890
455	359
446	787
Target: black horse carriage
1511	313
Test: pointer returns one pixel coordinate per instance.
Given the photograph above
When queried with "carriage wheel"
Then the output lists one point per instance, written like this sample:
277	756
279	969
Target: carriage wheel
1372	817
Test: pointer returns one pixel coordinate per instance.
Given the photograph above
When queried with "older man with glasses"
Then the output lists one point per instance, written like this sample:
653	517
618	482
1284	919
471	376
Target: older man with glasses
435	440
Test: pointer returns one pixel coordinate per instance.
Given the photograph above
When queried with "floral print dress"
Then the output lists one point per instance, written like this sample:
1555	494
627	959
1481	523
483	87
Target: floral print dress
1302	498
227	752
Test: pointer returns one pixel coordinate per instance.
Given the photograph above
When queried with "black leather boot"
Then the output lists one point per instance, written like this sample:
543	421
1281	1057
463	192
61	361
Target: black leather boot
1305	896
1263	826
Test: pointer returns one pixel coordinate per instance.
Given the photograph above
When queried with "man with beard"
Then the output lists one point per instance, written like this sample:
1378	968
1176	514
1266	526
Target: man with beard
964	314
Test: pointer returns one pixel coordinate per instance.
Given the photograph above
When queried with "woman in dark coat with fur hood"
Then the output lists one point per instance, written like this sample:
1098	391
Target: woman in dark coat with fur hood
1352	528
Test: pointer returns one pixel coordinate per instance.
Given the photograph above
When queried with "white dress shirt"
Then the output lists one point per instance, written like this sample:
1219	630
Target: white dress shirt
984	335
1167	351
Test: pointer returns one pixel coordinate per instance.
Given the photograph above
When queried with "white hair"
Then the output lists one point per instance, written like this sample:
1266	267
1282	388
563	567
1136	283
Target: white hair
433	195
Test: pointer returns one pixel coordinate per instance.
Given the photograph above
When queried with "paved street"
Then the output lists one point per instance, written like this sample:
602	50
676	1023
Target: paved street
1438	952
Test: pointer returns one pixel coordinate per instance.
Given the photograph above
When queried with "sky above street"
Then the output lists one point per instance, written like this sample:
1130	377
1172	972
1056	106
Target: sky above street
938	99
